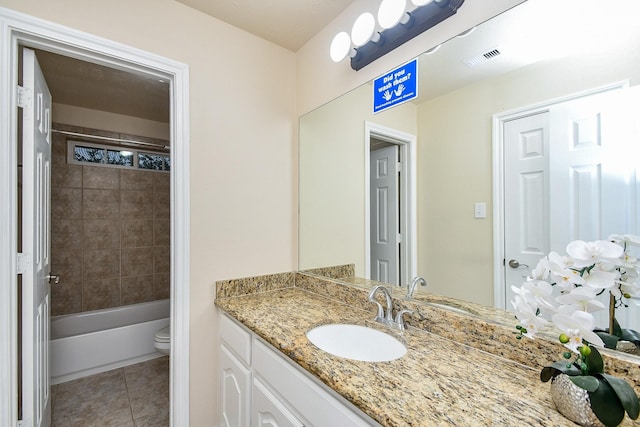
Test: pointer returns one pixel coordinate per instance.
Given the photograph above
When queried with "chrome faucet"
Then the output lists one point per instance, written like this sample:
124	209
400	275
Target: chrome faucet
387	317
381	316
412	287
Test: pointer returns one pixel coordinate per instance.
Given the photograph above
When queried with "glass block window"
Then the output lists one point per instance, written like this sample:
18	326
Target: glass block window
109	156
88	154
158	162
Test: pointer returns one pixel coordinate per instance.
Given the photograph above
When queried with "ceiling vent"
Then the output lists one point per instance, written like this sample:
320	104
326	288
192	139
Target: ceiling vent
483	57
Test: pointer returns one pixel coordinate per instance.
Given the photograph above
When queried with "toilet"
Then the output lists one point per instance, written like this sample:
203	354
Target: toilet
162	340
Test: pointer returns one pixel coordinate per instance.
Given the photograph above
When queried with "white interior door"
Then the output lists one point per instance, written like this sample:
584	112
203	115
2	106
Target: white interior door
385	247
594	173
36	246
570	173
526	211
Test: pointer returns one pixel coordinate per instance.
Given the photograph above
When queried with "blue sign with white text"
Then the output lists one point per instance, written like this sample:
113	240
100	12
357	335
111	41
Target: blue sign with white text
396	86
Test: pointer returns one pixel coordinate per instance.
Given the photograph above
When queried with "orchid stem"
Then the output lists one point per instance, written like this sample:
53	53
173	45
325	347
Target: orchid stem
612	312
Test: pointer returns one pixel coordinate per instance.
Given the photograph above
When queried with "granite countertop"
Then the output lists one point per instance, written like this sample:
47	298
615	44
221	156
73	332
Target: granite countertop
438	382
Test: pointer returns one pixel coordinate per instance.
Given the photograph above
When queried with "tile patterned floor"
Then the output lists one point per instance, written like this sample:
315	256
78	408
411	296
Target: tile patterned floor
134	396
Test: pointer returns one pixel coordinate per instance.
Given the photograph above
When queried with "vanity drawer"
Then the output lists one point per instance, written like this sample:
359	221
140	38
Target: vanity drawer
235	337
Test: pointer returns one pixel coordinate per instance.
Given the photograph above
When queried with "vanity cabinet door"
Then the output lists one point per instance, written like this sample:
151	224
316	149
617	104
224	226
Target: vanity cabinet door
268	410
313	402
235	394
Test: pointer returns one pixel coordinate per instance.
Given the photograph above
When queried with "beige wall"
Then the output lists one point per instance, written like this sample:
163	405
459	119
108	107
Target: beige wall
242	114
85	117
332	177
455	250
455	157
243	94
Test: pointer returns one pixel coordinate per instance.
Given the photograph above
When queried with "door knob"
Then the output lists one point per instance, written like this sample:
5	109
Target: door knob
514	263
53	277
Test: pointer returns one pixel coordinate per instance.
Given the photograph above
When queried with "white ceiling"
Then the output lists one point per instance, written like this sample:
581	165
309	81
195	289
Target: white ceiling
287	23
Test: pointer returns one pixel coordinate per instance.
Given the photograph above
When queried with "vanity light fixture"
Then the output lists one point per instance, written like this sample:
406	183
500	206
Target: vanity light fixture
340	46
397	27
392	12
364	30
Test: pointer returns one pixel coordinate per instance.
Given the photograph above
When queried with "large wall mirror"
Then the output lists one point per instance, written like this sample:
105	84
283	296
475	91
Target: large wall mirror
453	207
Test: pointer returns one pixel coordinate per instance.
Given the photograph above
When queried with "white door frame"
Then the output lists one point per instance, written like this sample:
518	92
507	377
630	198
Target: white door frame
499	291
17	28
408	217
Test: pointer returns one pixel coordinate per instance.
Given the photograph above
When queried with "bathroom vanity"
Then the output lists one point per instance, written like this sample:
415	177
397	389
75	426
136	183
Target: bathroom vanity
271	370
260	384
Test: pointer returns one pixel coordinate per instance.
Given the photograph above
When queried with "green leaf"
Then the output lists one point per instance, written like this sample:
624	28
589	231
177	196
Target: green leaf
631	335
617	330
586	382
606	405
610	341
595	362
556	368
625	393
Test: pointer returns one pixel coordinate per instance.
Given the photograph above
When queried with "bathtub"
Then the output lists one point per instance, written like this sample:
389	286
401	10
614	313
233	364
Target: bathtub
87	343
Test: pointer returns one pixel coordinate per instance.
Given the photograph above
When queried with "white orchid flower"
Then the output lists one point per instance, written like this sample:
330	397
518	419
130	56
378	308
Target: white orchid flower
527	315
628	261
537	293
578	326
579	299
586	254
625	288
566	277
628	239
541	271
600	279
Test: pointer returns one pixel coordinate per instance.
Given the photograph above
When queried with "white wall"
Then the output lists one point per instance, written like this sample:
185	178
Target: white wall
242	112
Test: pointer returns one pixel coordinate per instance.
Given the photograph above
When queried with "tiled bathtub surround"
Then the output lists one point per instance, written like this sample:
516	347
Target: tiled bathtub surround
487	331
109	232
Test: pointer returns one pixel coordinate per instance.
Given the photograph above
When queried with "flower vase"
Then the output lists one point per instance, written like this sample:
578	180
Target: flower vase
573	402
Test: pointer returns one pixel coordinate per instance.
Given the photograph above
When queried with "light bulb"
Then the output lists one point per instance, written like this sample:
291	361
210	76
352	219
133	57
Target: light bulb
340	46
391	12
363	29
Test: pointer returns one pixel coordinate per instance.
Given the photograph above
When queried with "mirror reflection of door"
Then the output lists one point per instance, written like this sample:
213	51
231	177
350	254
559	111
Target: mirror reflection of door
385	212
564	180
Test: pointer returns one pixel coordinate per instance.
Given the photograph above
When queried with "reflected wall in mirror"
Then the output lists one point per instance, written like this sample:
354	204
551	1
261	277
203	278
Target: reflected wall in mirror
537	52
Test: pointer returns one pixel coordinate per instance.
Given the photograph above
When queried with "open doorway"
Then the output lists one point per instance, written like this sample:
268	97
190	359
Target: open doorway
390	205
26	31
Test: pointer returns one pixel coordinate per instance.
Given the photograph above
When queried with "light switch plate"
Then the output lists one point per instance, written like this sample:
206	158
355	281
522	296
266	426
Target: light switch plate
480	210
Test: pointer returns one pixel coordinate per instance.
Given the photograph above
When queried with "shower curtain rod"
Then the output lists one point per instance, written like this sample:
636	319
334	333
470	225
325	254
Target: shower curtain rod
106	138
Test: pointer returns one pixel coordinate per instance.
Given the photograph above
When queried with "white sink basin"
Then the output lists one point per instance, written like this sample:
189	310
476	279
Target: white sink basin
356	342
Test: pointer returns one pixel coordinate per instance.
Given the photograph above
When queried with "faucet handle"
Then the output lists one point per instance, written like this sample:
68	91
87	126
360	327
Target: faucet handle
380	315
399	322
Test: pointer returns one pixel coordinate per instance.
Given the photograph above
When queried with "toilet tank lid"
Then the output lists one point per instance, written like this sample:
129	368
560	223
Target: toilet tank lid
164	333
